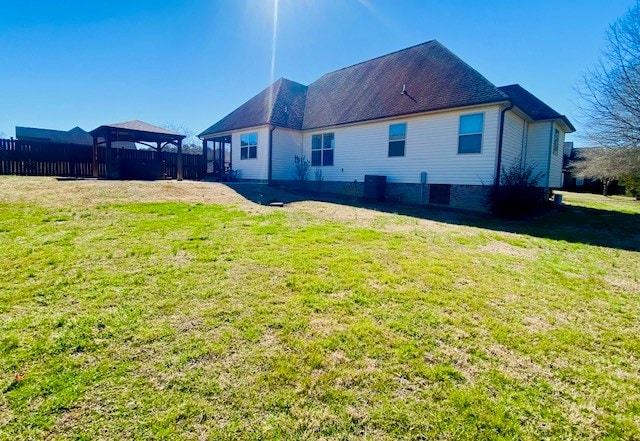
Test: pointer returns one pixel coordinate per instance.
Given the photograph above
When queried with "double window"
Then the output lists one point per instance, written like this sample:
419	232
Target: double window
397	138
470	133
322	147
249	145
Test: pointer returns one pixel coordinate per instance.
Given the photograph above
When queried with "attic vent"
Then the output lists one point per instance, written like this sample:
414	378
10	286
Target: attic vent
404	89
286	109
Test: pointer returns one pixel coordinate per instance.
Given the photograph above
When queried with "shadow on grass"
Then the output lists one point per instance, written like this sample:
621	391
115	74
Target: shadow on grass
590	226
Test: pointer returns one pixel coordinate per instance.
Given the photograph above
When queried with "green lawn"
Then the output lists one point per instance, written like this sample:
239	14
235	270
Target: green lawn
183	311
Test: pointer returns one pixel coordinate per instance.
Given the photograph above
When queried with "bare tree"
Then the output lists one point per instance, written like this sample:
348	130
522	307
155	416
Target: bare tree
190	145
610	91
607	165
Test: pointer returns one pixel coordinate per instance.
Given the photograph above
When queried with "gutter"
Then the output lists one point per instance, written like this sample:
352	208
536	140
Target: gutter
270	174
500	139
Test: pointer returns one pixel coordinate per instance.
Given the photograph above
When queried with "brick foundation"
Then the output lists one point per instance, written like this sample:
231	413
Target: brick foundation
466	197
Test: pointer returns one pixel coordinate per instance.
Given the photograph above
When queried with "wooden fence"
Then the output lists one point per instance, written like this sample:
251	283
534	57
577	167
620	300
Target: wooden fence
31	158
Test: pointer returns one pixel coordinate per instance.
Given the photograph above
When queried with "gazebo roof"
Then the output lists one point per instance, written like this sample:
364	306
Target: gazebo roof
136	131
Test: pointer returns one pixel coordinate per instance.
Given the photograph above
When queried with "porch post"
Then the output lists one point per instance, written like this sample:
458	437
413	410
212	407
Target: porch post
160	165
179	172
109	158
204	158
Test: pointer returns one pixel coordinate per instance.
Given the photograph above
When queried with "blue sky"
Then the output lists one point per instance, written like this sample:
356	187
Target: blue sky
189	63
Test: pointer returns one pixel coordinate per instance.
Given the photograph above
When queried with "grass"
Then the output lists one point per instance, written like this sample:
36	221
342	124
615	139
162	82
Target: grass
183	311
622	204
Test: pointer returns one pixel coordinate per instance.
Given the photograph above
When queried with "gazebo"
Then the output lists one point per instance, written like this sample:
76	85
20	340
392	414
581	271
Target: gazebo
133	131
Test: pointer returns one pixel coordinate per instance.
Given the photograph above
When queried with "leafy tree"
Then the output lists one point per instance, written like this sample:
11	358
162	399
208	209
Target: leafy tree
610	91
607	165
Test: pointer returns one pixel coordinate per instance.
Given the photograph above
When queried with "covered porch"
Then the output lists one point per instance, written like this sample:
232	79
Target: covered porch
217	154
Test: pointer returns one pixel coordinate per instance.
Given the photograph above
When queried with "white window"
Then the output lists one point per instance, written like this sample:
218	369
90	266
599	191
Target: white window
322	147
397	138
470	133
249	145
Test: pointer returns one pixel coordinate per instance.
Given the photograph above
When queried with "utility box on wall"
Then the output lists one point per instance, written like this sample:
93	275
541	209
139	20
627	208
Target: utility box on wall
423	177
375	187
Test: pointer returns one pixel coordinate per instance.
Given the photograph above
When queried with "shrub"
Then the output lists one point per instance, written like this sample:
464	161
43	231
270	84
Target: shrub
303	165
518	194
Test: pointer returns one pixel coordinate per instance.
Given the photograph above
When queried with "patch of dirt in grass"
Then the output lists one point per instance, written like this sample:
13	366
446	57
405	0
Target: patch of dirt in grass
623	284
6	414
517	366
181	258
537	324
186	324
460	359
324	326
269	339
499	247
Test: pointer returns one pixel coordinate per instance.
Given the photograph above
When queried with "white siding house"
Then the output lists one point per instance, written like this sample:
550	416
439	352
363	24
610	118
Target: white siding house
251	168
514	140
398	116
288	145
431	146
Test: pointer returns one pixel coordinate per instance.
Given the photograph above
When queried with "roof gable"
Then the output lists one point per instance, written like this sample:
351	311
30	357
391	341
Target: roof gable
281	104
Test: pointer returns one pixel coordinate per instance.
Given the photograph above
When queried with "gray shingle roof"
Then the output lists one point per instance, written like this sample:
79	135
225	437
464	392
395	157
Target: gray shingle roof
435	79
281	104
73	136
140	126
531	105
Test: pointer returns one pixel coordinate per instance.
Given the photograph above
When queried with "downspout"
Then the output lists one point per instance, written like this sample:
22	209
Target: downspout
500	138
270	175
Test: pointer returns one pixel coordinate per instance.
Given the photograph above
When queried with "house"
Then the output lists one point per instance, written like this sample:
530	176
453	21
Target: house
73	136
437	129
76	136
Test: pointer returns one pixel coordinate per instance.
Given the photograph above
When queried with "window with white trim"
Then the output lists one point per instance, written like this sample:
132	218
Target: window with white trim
470	133
322	147
249	145
397	138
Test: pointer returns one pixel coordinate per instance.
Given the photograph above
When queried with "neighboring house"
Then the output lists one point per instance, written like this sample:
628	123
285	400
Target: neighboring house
73	136
421	109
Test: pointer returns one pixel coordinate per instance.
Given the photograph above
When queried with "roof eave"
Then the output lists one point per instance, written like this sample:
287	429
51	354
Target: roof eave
401	115
142	133
204	135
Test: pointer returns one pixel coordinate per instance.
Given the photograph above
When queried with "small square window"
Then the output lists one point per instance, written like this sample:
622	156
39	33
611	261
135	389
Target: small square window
249	145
